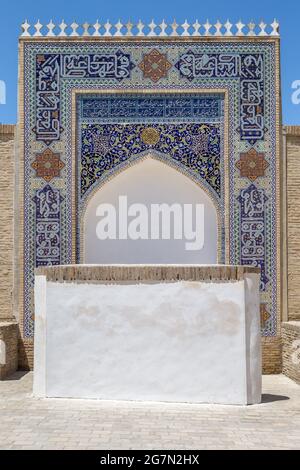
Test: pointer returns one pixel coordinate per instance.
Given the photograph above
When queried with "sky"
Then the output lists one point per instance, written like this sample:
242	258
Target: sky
13	13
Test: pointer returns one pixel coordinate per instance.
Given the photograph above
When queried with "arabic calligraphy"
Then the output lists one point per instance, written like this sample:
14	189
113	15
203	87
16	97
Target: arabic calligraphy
246	67
52	68
47	202
252	229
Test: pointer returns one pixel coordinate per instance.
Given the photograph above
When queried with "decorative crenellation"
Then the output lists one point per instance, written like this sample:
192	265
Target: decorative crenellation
140	29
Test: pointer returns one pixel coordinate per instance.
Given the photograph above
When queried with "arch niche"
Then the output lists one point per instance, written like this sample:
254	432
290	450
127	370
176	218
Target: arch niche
148	181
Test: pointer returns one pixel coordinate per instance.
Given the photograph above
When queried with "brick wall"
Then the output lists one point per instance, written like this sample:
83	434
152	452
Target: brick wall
8	348
293	219
6	219
25	354
290	332
271	355
291	350
8	326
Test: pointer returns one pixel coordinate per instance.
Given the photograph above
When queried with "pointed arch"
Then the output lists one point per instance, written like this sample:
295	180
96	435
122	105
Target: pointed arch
169	162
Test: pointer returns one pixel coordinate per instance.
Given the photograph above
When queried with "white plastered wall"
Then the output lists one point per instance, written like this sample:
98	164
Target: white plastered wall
177	341
149	182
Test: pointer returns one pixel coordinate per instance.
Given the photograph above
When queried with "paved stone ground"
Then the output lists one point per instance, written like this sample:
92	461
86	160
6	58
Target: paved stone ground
29	423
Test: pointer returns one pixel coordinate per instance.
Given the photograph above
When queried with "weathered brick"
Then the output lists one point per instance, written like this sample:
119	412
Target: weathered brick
6	219
8	348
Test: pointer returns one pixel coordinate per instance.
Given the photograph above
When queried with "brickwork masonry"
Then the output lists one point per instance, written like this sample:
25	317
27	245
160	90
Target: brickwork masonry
8	326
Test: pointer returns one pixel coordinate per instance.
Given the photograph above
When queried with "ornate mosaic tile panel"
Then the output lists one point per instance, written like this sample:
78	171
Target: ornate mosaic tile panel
195	146
252	229
48	217
185	125
188	128
248	69
113	131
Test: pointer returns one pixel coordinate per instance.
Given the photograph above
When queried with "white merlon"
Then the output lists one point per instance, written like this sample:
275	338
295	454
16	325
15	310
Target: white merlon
162	30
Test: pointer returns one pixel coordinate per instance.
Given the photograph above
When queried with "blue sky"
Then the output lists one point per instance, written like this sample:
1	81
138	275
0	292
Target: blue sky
13	12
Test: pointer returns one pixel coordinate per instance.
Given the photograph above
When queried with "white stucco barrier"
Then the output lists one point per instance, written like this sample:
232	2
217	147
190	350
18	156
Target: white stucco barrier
164	333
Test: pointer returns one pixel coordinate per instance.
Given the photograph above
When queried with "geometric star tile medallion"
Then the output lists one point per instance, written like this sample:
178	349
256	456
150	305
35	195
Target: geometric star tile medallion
252	164
47	165
155	65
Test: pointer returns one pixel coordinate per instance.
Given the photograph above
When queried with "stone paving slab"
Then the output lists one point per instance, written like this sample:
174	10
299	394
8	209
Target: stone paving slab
30	423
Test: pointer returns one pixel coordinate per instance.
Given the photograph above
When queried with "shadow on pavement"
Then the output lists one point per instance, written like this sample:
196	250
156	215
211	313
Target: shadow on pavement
269	398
